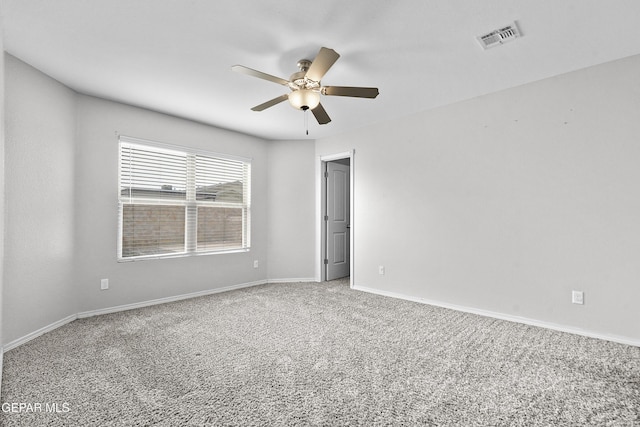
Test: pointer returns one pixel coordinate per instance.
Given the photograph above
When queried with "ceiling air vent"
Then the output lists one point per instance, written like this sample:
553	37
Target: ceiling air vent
498	37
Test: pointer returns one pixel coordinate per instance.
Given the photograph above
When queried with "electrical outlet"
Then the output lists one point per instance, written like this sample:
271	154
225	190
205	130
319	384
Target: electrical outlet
256	264
381	270
104	284
577	297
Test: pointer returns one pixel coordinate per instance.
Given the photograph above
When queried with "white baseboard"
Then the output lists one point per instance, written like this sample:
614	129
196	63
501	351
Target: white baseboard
294	280
17	342
562	328
133	306
502	316
84	314
22	340
55	325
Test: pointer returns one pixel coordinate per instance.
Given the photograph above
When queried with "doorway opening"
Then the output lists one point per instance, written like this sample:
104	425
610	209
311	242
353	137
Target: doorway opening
335	231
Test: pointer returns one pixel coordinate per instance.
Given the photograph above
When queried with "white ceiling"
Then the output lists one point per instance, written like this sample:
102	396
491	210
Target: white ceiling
175	56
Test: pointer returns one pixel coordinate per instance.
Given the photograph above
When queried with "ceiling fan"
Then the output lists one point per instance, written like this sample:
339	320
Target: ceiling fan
306	87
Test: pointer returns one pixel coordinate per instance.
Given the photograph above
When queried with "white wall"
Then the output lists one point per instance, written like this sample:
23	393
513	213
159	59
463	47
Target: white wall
507	202
96	209
291	210
39	197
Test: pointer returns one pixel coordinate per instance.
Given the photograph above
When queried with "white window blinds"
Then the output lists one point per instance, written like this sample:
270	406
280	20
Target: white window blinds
174	201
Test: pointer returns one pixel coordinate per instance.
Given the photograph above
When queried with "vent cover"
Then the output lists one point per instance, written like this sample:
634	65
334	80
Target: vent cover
500	36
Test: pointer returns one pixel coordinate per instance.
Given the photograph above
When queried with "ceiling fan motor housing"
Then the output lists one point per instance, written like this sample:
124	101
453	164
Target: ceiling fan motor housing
300	81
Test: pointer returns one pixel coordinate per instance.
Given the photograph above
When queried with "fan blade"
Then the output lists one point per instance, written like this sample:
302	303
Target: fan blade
255	73
271	103
319	66
357	92
321	115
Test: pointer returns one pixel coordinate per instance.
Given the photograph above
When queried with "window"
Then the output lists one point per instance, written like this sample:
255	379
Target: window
177	202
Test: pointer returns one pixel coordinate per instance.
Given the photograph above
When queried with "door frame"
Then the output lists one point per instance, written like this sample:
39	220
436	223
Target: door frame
321	199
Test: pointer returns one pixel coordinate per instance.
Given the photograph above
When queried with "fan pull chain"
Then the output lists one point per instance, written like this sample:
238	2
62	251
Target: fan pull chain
306	120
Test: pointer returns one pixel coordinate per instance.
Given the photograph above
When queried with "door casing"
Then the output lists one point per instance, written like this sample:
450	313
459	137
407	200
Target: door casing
321	192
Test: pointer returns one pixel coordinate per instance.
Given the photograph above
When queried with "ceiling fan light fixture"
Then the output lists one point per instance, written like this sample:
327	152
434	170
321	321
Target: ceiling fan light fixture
304	99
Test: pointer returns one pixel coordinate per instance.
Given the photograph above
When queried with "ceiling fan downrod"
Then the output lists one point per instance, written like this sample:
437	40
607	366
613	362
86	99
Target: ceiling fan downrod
304	65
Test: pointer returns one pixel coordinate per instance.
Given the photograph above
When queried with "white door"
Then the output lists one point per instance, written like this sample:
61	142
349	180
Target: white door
337	216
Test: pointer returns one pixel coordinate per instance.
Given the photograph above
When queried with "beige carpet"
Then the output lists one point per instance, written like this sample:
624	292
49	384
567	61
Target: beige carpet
316	354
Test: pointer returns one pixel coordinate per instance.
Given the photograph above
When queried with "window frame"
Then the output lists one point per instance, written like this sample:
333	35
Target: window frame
190	203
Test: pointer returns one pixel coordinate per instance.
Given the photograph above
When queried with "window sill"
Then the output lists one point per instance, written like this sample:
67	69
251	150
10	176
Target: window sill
182	255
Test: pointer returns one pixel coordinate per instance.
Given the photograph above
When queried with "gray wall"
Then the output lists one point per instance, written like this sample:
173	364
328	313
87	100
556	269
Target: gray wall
40	201
507	202
61	196
291	210
97	219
